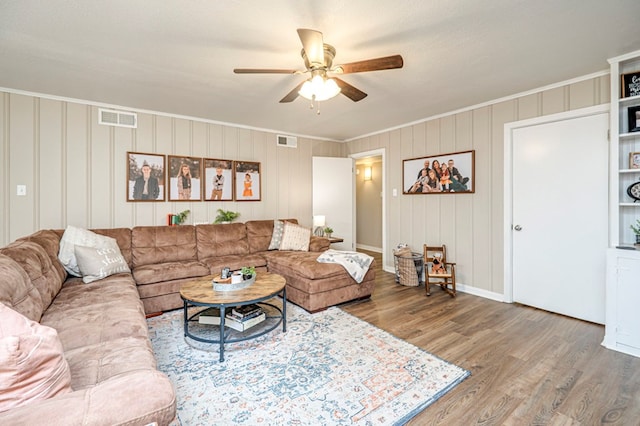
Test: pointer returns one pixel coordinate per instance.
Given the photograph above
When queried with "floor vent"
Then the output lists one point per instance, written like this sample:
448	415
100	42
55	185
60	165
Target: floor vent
287	141
110	117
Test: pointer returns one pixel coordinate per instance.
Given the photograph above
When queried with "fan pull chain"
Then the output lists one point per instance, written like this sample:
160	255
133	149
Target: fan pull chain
313	98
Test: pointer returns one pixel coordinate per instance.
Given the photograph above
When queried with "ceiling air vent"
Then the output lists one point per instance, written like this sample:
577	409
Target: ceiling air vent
110	117
288	141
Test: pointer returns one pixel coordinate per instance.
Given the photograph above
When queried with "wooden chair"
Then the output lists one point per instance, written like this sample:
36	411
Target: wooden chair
438	271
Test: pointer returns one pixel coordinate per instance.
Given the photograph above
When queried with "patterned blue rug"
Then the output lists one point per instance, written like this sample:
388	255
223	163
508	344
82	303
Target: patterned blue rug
329	368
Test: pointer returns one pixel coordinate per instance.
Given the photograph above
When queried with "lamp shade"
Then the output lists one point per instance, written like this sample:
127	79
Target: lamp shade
318	220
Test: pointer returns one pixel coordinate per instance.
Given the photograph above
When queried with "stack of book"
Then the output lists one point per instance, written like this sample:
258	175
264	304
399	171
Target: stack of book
240	318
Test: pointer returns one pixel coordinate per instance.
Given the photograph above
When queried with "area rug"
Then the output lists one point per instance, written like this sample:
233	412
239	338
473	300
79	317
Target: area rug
329	368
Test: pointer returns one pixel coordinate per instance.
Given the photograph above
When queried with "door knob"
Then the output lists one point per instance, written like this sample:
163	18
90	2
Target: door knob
518	228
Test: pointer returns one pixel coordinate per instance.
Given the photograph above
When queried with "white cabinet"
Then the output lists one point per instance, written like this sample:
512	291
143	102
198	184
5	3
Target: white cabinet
622	327
622	210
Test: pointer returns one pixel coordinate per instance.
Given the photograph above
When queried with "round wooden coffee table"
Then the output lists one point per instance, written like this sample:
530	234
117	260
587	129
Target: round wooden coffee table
200	292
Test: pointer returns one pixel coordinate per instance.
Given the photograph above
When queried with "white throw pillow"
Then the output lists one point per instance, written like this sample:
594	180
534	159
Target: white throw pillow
83	237
295	237
32	363
276	237
97	263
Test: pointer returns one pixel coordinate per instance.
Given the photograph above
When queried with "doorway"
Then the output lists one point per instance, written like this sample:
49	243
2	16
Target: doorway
370	201
556	212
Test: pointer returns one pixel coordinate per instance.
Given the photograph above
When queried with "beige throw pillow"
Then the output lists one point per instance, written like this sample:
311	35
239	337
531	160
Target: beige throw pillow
295	237
276	237
98	263
83	237
32	363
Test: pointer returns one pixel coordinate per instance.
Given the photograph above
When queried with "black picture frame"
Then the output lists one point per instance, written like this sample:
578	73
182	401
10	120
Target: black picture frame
633	114
630	84
137	162
247	180
419	176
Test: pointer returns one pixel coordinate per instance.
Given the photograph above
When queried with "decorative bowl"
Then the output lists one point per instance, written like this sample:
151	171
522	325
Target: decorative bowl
227	285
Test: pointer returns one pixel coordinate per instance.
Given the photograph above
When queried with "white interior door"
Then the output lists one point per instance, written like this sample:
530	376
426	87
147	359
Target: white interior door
559	213
333	197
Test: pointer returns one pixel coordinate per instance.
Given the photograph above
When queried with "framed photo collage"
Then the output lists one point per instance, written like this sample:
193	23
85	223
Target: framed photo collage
156	177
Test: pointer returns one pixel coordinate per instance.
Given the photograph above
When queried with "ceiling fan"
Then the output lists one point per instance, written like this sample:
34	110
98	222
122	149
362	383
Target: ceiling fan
318	60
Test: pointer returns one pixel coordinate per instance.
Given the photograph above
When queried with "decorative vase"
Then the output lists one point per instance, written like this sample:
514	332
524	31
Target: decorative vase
328	234
637	239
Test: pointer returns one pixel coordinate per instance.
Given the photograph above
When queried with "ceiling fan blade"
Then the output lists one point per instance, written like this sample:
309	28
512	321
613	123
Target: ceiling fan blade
262	71
312	44
349	91
292	95
386	63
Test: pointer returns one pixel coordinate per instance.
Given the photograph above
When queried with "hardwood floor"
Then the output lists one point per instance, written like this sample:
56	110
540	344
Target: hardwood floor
528	366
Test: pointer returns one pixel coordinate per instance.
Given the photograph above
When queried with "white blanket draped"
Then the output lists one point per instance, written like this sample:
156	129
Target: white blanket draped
356	264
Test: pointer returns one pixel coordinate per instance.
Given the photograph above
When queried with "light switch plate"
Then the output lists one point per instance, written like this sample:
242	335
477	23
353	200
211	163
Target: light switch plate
21	190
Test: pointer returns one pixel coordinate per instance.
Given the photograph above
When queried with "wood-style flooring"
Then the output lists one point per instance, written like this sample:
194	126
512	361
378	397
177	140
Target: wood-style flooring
528	366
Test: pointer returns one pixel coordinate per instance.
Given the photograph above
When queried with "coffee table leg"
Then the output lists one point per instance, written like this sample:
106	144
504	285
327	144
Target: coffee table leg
222	317
186	319
284	310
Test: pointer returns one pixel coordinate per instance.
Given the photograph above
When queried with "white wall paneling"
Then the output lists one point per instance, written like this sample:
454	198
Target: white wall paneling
75	169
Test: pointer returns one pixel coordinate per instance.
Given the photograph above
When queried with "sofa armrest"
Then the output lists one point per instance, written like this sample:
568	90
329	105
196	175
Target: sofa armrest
318	243
139	398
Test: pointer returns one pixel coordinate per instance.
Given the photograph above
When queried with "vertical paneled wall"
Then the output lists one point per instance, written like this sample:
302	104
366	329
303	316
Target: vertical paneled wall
471	225
75	169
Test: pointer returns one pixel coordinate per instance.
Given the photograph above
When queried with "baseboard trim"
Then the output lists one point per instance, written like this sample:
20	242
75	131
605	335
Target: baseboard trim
465	288
369	248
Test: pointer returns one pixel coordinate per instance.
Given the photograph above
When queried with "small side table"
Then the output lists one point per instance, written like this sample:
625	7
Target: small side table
335	240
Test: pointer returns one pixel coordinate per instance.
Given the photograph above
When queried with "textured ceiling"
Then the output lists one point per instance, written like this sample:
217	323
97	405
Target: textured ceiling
177	56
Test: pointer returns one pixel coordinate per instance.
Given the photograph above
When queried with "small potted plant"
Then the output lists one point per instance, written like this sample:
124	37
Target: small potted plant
181	217
636	230
226	216
328	231
247	272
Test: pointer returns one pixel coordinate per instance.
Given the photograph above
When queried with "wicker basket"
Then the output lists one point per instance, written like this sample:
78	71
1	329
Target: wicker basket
405	264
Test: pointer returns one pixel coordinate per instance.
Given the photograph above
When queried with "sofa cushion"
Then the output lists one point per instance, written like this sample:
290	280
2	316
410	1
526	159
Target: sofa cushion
122	237
167	271
304	264
221	240
17	291
38	265
161	244
49	239
98	263
32	364
295	237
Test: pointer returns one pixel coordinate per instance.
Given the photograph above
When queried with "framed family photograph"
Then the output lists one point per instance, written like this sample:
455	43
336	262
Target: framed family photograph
185	178
145	177
247	181
218	177
451	173
630	84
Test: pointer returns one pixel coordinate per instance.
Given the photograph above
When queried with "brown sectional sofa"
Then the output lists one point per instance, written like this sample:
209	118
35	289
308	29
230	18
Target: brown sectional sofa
102	325
104	338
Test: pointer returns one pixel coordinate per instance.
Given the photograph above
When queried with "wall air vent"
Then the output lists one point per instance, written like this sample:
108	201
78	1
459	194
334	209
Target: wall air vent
110	117
288	141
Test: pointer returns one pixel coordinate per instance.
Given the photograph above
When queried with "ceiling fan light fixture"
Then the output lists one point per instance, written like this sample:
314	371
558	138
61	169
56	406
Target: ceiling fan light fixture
319	88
